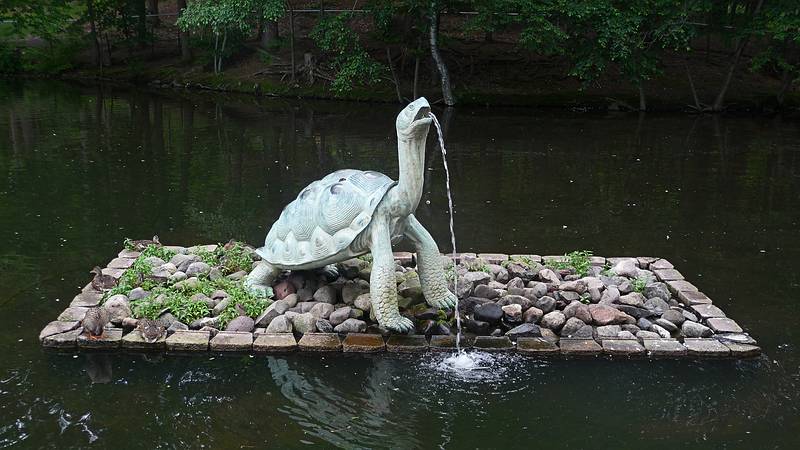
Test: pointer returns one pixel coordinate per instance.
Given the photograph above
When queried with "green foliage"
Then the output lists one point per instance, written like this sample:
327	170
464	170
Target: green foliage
10	60
638	284
579	261
352	63
253	306
235	257
157	251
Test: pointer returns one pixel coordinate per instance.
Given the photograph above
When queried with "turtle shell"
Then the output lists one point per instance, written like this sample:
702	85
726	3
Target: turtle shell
325	217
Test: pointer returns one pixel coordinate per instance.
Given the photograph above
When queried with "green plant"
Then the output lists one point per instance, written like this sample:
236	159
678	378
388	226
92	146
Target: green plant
638	284
579	261
235	257
157	251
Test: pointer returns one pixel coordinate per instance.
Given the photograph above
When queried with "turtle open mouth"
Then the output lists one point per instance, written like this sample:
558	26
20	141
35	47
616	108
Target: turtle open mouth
422	113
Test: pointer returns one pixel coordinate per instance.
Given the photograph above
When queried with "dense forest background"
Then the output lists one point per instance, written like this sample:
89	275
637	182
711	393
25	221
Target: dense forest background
699	56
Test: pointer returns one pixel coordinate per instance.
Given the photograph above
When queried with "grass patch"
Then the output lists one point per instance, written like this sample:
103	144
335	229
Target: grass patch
579	261
638	284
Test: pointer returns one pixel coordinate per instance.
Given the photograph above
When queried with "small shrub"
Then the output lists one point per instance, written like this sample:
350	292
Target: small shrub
579	261
639	283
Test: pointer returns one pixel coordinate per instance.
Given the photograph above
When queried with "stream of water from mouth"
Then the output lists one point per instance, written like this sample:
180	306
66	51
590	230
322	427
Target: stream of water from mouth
460	360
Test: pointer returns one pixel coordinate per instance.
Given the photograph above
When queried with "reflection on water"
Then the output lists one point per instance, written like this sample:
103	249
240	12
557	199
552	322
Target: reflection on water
82	168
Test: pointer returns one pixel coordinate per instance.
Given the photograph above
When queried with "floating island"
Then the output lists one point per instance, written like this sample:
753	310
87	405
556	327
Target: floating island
187	299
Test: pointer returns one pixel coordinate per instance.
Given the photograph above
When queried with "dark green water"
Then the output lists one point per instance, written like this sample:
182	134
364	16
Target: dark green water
83	168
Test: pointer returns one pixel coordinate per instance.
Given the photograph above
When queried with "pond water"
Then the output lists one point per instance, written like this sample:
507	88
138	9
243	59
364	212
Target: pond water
84	167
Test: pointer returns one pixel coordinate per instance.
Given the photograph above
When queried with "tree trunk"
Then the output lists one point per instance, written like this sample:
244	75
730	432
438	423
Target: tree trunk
141	23
98	57
786	82
291	40
152	8
697	104
719	102
394	75
447	93
186	51
416	75
642	99
269	33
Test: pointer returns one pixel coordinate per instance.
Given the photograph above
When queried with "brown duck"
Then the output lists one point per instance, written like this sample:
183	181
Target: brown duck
95	321
151	330
102	282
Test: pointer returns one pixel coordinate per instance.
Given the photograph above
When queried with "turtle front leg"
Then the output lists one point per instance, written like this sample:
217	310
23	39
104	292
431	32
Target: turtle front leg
259	280
382	284
429	265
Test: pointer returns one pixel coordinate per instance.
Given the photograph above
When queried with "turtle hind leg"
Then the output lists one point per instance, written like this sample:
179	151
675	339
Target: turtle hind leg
382	285
429	264
259	280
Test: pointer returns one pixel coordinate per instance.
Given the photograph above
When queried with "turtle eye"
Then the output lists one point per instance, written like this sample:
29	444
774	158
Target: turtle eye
336	188
342	179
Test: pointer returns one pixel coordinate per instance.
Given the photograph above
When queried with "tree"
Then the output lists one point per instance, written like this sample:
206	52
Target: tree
780	27
186	51
220	18
441	66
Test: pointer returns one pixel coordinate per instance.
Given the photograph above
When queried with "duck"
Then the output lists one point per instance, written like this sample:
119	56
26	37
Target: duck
102	282
141	244
95	321
151	330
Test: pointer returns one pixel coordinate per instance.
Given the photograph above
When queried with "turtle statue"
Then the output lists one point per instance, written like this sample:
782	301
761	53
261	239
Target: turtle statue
352	212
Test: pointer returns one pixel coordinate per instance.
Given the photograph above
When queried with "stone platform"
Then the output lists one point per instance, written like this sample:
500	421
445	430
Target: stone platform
617	308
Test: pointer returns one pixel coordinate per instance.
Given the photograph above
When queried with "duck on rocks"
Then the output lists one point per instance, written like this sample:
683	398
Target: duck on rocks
95	321
142	244
102	282
151	330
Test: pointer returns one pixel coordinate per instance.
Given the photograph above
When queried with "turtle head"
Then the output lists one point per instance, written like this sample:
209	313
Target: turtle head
414	120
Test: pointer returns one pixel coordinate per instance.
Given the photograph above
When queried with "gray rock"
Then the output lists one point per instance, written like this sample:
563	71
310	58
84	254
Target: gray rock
212	322
363	302
568	296
667	325
325	294
644	323
632	299
324	326
304	294
340	315
546	304
214	274
625	287
578	286
548	276
291	300
688	315
351	326
175	326
137	294
352	289
630	327
610	295
675	317
236	276
571	327
554	320
625	335
695	330
280	324
661	331
608	331
167	319
475	278
523	302
648	335
241	323
625	268
118	307
304	323
221	306
484	291
524	330
513	313
304	307
182	262
488	312
595	294
322	310
197	268
586	332
154	261
274	310
532	315
536	289
633	311
515	283
656	305
219	294
579	310
657	290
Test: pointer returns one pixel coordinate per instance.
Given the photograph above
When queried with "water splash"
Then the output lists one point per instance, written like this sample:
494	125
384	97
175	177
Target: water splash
460	358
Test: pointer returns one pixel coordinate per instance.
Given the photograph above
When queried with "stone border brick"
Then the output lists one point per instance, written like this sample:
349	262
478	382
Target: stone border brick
493	343
274	343
320	342
232	341
658	348
706	347
402	343
135	341
110	339
622	347
536	346
62	340
579	347
448	343
363	343
188	340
